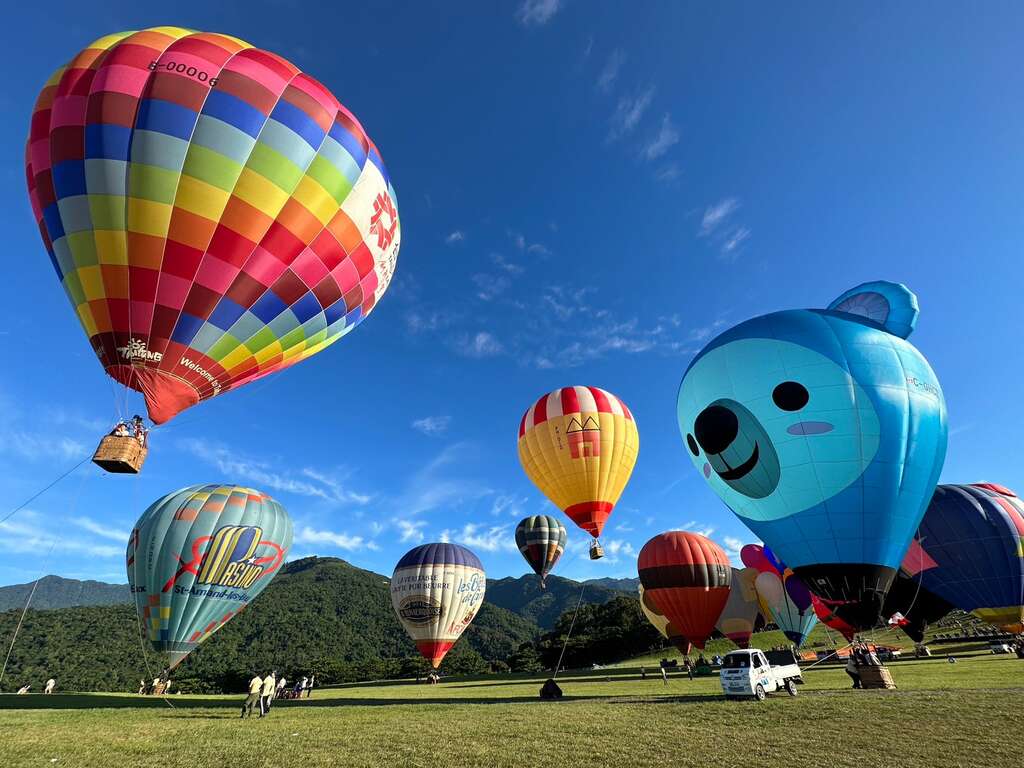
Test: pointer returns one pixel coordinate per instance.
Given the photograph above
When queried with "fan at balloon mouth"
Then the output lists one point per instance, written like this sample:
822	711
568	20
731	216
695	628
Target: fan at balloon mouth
213	213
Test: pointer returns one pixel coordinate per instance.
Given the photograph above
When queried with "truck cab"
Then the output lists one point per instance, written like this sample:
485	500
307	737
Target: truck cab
754	673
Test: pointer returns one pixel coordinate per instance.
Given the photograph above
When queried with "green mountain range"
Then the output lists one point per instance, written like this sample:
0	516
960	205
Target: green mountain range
58	592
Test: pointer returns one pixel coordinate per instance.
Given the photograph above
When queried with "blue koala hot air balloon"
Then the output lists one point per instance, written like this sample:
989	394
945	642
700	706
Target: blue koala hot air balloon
825	432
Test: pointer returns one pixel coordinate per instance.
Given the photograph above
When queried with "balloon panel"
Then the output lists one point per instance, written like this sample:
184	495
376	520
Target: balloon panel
198	556
213	213
578	445
825	432
436	590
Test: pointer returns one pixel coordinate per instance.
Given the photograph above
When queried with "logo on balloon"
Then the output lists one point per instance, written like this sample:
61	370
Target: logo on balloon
584	439
384	206
231	558
420	610
137	350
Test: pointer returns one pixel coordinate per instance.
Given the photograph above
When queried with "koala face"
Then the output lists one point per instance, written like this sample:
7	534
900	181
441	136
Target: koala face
775	427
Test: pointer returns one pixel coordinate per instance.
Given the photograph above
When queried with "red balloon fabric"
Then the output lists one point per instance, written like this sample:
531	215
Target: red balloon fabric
687	577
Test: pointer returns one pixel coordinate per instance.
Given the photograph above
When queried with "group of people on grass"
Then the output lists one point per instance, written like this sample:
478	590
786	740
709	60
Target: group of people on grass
860	656
160	686
51	684
263	691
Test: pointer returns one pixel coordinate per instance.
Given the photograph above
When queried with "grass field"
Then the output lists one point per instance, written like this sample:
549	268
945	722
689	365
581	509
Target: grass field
963	714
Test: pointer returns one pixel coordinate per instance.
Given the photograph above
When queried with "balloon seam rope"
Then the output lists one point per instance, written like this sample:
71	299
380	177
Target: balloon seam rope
35	584
572	624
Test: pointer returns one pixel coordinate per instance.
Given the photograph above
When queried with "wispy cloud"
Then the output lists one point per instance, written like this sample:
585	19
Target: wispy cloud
440	483
610	72
535	13
344	541
701	529
628	113
490	286
23	537
663	141
716	224
236	467
667	173
505	265
716	215
733	241
432	425
457	236
423	322
479	345
539	249
411	531
508	504
104	531
489	538
733	546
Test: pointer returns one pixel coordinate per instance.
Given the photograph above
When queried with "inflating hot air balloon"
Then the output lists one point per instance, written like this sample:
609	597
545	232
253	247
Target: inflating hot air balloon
917	606
578	445
741	609
665	627
200	555
781	593
686	577
214	214
830	620
436	590
824	431
541	539
972	552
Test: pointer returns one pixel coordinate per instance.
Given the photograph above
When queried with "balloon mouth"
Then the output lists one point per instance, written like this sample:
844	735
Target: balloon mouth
747	463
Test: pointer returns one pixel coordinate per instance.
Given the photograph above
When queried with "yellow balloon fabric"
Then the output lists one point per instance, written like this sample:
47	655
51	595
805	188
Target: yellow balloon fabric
579	445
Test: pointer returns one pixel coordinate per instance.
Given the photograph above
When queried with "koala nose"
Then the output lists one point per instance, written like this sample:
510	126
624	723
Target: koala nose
716	428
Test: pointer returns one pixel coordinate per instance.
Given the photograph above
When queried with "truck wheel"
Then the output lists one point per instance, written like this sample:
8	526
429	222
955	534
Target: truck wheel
791	687
759	693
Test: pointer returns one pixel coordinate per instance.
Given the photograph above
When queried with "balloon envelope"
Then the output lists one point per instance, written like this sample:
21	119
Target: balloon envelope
436	590
825	432
795	624
662	624
686	577
578	445
972	552
200	555
214	214
741	609
541	540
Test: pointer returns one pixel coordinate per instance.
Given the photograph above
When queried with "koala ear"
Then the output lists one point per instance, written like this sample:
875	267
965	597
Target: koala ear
890	305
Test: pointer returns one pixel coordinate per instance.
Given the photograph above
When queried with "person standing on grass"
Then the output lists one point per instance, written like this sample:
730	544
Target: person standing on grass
50	685
309	688
852	671
280	687
253	699
664	675
267	694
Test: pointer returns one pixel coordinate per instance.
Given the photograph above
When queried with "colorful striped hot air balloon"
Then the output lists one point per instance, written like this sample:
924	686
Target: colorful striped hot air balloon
664	626
972	552
739	616
436	590
213	213
686	577
541	539
578	445
781	593
200	555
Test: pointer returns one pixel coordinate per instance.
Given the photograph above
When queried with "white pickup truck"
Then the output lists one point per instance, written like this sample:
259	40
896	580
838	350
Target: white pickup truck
757	673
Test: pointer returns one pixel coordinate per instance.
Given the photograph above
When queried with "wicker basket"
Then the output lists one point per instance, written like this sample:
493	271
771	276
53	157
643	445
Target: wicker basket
122	455
875	677
596	551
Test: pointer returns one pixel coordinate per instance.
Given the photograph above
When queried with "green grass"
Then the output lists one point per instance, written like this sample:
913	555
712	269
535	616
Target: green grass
941	715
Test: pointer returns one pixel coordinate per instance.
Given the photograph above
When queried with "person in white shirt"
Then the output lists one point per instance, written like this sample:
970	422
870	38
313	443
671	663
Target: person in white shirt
280	687
267	694
253	699
50	685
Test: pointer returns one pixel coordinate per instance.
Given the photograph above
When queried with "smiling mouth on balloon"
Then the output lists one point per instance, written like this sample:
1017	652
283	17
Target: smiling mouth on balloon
743	469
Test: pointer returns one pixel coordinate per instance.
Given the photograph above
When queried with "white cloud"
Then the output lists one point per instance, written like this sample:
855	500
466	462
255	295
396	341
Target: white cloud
239	468
490	286
629	112
539	248
715	215
488	538
104	531
455	237
480	345
667	137
411	530
432	425
344	541
733	546
43	445
502	263
537	12
418	322
508	504
610	71
734	240
19	537
667	173
701	529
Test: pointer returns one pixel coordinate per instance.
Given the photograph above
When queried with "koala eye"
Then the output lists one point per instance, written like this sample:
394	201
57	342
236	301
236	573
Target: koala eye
694	449
790	396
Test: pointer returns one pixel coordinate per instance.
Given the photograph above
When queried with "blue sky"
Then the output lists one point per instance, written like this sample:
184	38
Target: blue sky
588	192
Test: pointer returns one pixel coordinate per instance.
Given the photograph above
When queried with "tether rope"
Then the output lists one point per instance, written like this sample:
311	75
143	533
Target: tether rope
565	643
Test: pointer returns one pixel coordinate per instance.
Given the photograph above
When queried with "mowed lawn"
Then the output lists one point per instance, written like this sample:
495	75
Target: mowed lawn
965	714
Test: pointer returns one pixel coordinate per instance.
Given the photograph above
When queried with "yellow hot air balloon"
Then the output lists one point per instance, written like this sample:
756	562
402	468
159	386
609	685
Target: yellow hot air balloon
579	445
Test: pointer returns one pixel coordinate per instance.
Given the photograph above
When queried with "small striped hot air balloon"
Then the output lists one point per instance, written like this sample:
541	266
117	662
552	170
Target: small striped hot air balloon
578	445
436	590
687	577
741	609
667	629
541	539
200	555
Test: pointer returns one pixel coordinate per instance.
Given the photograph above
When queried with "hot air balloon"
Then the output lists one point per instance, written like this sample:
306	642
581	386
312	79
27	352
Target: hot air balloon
214	214
741	609
917	606
781	593
971	552
436	590
830	620
541	539
666	628
200	555
825	432
686	577
578	445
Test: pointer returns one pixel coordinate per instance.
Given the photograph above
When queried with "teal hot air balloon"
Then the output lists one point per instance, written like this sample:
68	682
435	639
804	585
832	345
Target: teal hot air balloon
541	539
198	556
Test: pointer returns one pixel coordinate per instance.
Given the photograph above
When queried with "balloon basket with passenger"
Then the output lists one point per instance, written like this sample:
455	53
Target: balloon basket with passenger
124	450
596	550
